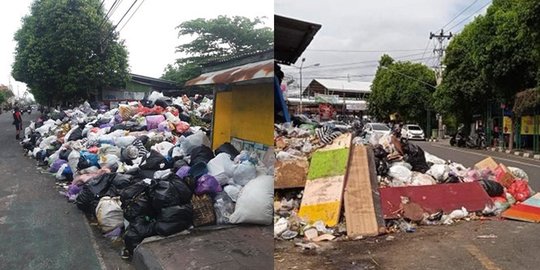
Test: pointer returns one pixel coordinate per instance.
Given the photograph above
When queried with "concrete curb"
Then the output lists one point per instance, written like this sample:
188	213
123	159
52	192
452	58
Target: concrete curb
145	259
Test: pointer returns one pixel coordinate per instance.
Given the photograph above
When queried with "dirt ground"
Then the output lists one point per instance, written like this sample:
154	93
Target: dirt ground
489	244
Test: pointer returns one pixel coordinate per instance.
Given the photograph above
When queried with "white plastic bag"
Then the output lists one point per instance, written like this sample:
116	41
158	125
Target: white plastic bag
233	191
433	159
255	202
518	173
244	172
155	96
420	179
163	148
401	173
73	160
197	139
109	213
216	167
439	172
124	141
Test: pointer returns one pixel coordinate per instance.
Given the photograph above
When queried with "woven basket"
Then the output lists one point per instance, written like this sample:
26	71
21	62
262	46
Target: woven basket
203	210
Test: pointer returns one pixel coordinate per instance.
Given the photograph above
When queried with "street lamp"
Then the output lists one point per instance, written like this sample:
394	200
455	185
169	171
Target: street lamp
301	90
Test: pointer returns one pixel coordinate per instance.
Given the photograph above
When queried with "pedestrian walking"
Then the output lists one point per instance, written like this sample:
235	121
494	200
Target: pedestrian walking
17	121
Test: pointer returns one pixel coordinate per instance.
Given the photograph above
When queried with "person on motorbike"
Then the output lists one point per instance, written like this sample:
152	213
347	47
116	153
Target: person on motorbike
480	134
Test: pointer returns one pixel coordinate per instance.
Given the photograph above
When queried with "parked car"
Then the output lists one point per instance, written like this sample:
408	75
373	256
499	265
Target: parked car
342	126
413	132
376	128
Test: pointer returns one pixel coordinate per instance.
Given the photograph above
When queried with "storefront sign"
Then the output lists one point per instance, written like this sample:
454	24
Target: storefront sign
507	125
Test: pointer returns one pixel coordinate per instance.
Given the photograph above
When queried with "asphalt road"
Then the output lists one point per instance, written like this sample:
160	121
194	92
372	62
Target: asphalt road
469	157
39	229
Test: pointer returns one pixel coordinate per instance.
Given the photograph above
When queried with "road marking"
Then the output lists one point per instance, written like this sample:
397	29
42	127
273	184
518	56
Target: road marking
484	155
483	259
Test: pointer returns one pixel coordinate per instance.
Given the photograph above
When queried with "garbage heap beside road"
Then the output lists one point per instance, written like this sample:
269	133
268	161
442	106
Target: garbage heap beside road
384	185
146	168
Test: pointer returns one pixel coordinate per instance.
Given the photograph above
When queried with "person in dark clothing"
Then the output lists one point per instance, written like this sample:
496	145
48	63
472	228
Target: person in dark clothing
17	121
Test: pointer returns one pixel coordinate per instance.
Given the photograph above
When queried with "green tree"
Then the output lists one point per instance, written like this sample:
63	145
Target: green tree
216	39
401	87
68	51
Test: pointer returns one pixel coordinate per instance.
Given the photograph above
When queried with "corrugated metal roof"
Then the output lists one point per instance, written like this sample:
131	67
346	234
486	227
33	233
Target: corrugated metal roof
291	38
247	72
345	86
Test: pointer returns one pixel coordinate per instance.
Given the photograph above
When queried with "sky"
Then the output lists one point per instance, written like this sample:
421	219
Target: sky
150	35
352	29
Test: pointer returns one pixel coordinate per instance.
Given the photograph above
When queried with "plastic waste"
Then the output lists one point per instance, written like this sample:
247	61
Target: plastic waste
244	172
207	184
217	167
109	213
255	202
233	191
223	207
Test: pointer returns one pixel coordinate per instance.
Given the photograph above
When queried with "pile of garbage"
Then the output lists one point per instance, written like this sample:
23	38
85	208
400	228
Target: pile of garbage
398	163
146	168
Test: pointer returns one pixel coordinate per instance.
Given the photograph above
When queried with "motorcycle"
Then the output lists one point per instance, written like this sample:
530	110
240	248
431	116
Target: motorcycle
458	139
477	140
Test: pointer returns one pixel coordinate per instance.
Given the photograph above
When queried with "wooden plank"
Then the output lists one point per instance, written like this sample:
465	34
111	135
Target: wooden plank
433	198
323	194
290	174
363	212
487	163
523	212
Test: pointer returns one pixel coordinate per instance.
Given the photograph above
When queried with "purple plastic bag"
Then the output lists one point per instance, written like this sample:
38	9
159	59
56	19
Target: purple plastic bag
207	184
183	171
152	121
56	165
73	190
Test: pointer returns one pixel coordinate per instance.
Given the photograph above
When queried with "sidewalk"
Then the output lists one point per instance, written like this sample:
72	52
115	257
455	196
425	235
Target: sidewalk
214	247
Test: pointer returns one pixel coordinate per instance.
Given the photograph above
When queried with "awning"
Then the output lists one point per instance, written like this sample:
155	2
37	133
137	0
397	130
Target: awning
291	38
248	72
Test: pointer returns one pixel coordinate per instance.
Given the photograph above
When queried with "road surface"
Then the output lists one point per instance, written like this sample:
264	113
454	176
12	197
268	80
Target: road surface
469	157
39	229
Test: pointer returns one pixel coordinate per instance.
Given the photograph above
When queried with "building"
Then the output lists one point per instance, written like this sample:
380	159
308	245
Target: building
343	89
243	112
138	87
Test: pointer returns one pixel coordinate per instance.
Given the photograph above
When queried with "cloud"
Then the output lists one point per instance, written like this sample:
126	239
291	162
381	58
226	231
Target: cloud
358	25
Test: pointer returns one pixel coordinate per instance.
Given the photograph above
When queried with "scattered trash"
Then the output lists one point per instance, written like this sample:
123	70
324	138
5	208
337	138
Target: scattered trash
487	236
146	168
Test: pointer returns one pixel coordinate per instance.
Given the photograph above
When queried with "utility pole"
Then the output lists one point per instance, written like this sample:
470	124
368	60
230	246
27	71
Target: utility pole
439	51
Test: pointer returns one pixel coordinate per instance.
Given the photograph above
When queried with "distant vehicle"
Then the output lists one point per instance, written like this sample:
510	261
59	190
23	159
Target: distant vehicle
413	132
376	128
342	126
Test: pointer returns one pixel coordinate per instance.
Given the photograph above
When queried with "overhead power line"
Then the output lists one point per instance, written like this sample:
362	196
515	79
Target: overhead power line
363	66
120	21
363	51
107	14
474	13
131	16
459	14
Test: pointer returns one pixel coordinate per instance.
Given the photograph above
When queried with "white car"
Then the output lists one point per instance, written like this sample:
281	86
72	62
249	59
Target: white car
376	128
413	132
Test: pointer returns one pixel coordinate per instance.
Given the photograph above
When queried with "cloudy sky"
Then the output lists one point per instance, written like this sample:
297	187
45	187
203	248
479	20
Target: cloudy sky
355	33
150	35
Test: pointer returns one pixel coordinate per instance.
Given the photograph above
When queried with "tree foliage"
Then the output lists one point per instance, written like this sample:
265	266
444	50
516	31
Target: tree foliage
217	39
401	87
67	51
492	59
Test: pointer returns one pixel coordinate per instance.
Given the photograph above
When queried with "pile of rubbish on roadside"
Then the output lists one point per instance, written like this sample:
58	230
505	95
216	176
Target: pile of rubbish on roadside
409	181
146	168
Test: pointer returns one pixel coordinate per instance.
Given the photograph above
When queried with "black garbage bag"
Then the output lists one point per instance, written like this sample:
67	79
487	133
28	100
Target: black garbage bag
92	191
174	219
64	154
155	161
163	103
136	202
169	192
184	117
452	179
492	188
137	231
415	156
118	183
381	166
147	103
83	163
28	146
75	135
227	148
379	152
201	154
179	164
